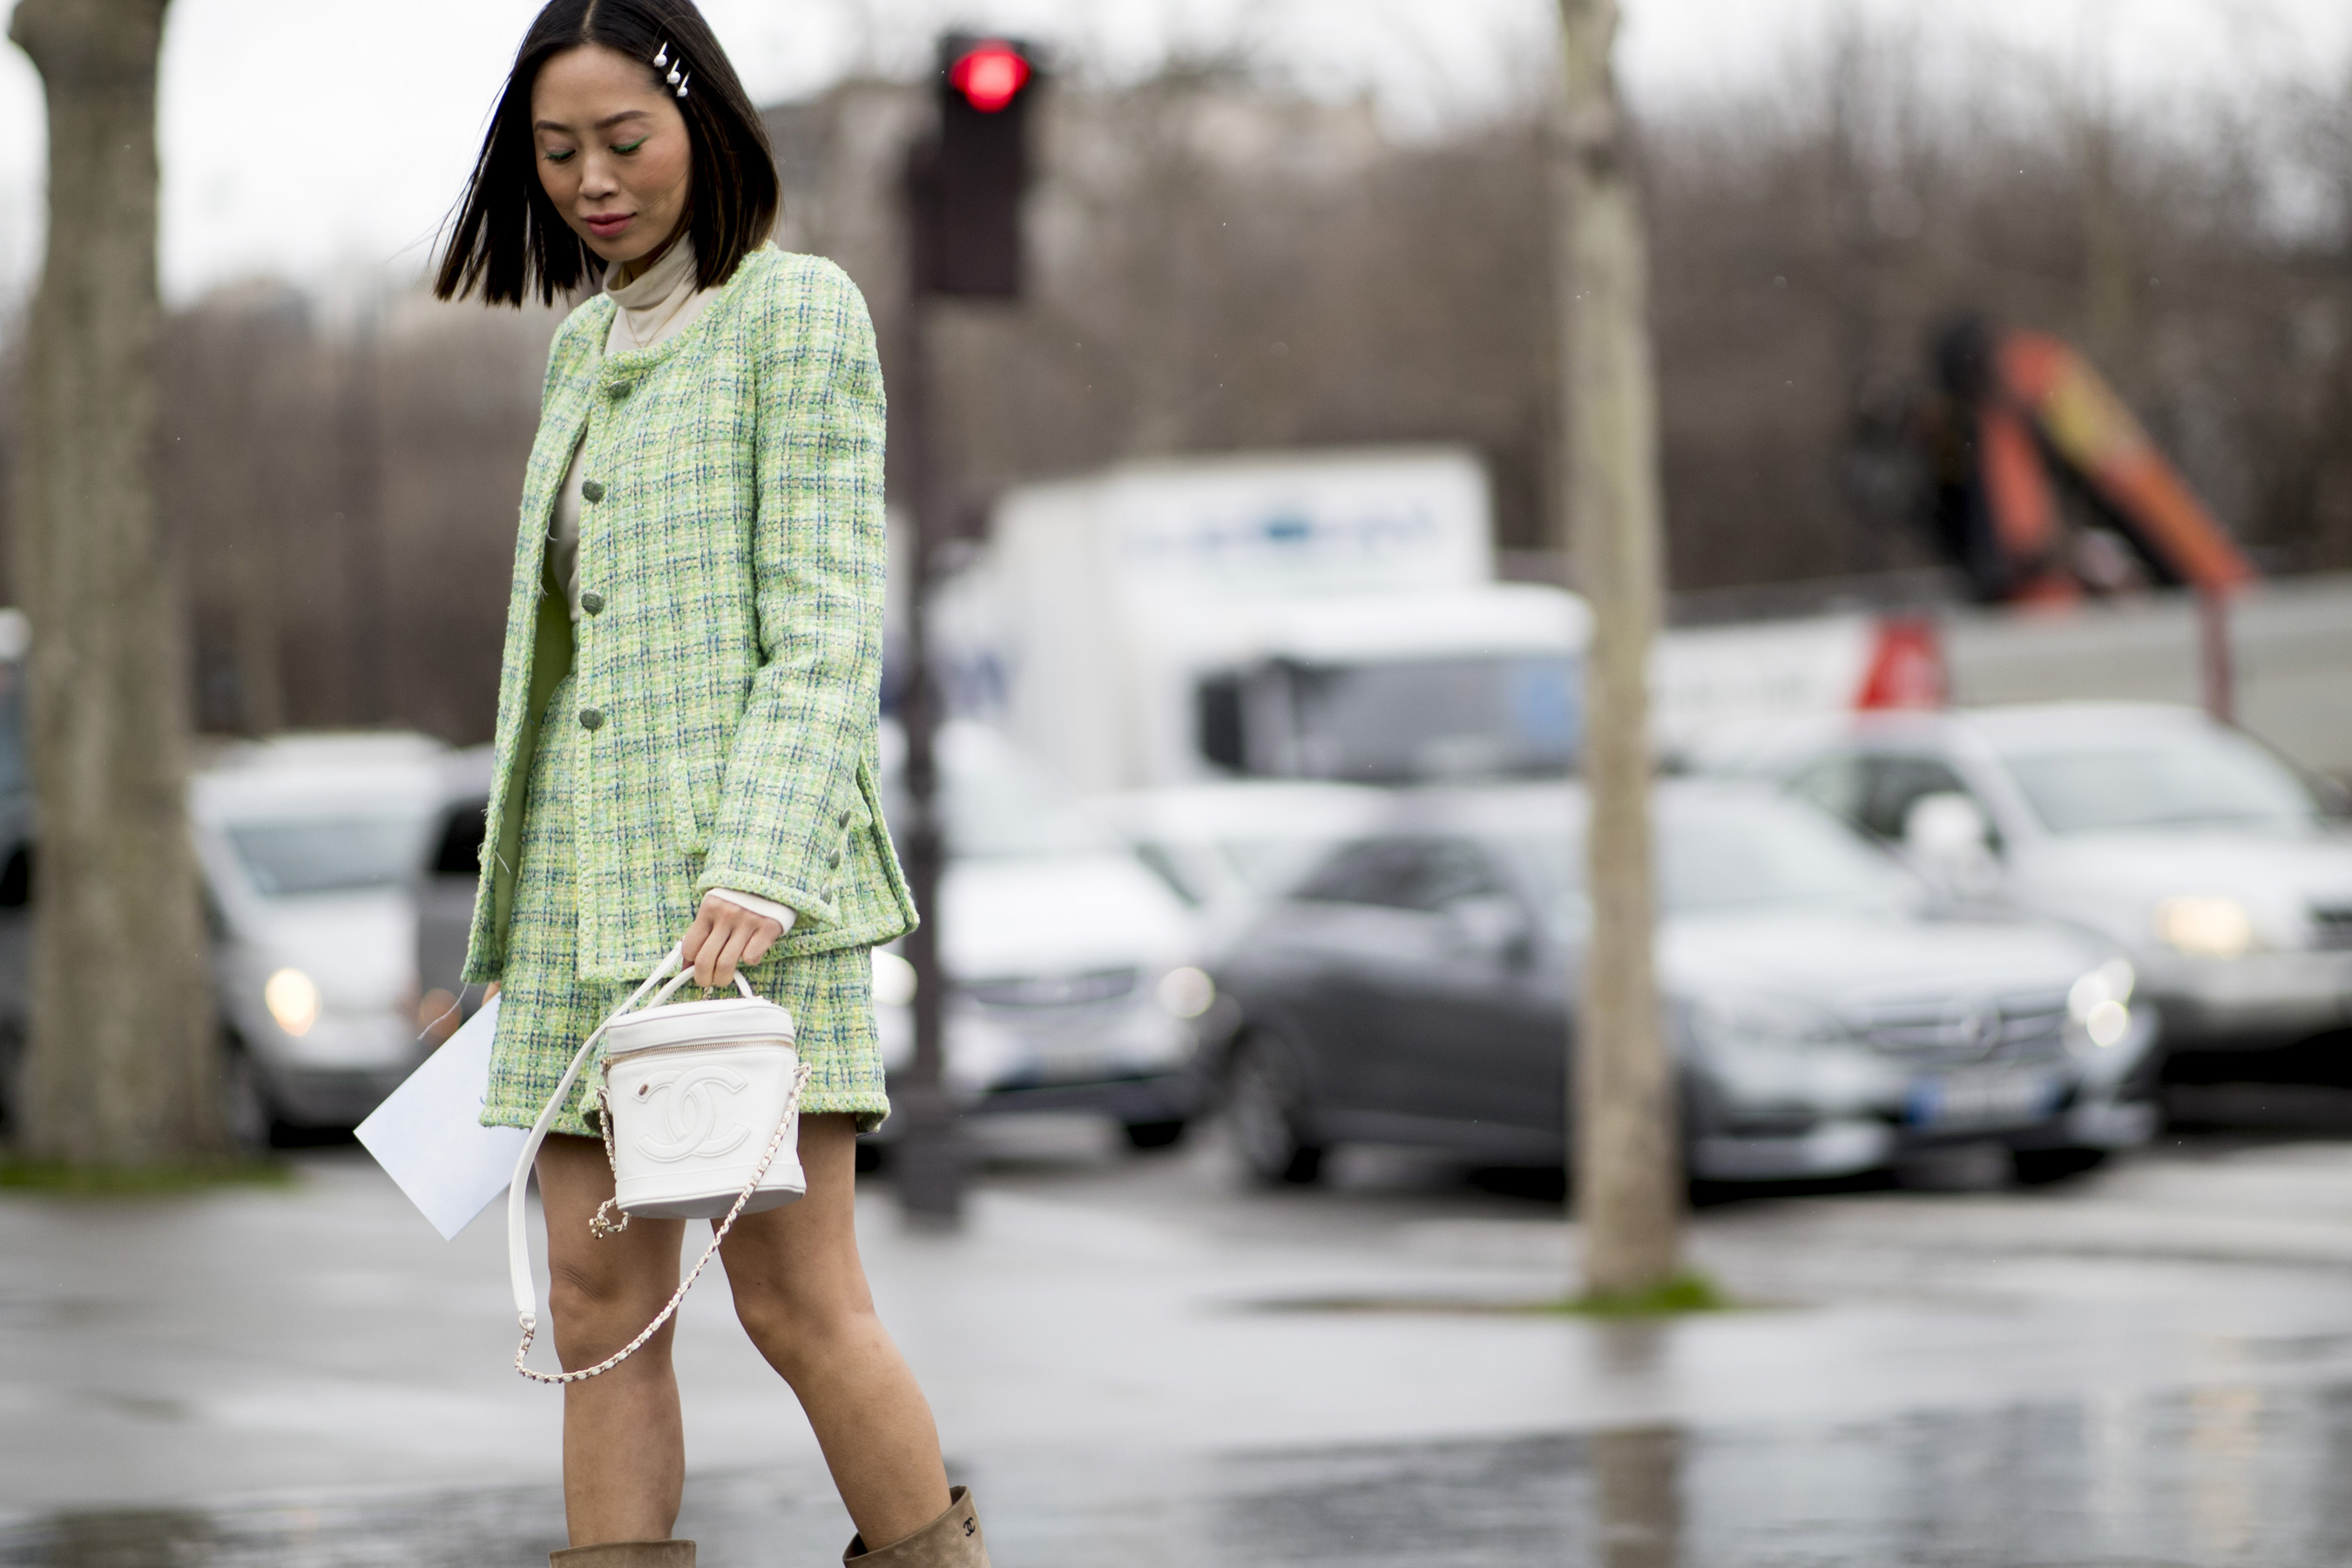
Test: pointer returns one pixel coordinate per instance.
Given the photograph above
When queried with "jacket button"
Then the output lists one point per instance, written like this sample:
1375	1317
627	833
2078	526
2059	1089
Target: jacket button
842	821
591	718
619	389
592	601
591	490
835	860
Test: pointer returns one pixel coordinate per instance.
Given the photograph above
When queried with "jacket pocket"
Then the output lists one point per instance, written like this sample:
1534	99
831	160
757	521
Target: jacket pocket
689	814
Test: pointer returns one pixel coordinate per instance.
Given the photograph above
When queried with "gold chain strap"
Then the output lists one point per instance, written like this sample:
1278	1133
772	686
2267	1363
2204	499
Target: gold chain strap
602	1228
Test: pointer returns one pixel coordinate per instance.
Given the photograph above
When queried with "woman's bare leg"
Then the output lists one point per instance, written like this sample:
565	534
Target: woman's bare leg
624	1446
800	1293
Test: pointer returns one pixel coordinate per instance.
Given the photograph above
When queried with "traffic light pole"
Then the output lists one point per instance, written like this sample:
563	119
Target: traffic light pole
930	1154
963	189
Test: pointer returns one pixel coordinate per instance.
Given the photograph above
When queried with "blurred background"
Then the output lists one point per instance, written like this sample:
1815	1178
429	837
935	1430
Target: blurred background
2003	712
1267	227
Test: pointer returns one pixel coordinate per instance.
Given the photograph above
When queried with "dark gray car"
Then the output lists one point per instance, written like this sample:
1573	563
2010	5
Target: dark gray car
1827	1013
445	891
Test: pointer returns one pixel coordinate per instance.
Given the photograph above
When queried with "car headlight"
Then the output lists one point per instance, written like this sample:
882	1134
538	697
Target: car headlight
292	998
1187	992
2099	1003
2204	926
894	980
1755	1019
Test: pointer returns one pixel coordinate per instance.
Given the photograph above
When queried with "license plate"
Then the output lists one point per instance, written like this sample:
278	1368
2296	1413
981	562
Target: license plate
1985	1099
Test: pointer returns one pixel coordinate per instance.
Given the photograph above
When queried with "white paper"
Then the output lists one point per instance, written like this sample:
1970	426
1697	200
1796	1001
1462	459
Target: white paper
429	1135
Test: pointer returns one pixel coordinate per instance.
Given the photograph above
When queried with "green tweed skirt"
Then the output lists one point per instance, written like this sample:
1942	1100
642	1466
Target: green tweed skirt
546	1009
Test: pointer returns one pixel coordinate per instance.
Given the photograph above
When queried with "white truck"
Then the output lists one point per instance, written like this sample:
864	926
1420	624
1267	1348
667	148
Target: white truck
1330	616
1333	616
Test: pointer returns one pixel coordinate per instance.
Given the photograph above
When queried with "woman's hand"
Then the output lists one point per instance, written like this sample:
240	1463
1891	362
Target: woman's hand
723	936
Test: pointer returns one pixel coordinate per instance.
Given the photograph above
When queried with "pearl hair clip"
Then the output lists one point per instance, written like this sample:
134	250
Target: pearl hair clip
661	59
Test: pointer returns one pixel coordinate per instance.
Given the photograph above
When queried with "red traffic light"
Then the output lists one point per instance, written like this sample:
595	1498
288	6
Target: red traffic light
989	76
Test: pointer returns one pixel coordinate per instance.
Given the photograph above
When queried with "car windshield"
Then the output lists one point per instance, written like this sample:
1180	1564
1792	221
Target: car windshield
1445	718
289	857
1270	866
2188	777
995	802
1716	856
1761	853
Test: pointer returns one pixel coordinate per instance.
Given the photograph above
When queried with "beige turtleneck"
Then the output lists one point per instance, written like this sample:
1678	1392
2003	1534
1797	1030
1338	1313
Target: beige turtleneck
654	306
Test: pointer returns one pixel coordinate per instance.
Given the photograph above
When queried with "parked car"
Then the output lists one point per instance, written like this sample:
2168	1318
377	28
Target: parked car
15	859
1228	846
1075	970
308	848
445	885
1826	1013
2223	869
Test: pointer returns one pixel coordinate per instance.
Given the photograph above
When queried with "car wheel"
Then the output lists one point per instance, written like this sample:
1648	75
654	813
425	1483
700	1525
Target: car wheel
1268	1104
1154	1134
2039	1167
245	1102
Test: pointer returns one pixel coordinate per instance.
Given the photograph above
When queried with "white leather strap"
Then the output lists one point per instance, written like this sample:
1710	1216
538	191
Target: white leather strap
526	1292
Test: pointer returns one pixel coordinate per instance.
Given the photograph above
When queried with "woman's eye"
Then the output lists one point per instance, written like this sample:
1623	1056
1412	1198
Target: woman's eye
629	146
559	154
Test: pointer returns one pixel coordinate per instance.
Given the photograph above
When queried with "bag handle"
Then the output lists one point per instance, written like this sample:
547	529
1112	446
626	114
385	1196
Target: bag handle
683	976
519	1276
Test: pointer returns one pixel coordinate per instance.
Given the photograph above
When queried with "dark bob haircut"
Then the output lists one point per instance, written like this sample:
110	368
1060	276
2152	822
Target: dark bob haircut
508	242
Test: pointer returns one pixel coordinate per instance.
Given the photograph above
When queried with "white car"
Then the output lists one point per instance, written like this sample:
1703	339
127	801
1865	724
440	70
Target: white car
2224	872
1229	847
308	846
1074	970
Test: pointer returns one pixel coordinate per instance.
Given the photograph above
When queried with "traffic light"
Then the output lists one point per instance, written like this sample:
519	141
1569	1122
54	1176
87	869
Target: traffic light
965	185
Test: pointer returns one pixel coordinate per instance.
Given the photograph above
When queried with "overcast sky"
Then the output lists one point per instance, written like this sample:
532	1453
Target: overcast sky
313	138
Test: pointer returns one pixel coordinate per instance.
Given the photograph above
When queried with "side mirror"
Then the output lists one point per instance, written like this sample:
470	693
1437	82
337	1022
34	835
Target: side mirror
1946	834
1492	926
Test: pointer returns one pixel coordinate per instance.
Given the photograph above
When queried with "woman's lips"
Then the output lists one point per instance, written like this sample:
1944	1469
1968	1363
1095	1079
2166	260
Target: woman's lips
605	228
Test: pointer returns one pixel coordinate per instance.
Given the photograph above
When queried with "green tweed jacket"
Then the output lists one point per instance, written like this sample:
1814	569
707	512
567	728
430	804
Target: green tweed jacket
728	654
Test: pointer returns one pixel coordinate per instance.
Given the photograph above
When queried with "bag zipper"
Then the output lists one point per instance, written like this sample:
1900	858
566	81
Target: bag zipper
613	1056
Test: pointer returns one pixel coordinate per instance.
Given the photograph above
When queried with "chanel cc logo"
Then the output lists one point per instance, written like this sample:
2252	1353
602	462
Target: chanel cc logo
691	1104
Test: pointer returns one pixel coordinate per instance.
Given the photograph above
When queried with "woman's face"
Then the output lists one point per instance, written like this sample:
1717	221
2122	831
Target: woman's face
612	152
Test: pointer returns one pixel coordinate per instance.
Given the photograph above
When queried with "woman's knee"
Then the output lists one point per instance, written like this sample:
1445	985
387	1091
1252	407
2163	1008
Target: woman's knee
793	1326
596	1301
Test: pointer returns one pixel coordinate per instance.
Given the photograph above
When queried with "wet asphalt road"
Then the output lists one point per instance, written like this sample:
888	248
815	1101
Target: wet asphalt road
1137	1361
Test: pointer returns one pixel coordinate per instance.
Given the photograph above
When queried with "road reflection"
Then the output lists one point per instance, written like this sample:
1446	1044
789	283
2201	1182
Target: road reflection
2230	1476
1637	1498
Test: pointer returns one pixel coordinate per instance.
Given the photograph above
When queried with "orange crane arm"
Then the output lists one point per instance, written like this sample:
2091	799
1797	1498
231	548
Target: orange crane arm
2085	424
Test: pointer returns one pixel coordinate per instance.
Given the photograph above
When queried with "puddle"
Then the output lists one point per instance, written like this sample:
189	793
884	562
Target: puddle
2223	1476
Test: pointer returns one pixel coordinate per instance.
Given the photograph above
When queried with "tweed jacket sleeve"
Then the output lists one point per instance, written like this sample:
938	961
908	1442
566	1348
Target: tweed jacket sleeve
800	772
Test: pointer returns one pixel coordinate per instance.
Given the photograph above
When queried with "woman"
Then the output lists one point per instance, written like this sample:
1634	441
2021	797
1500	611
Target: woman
686	733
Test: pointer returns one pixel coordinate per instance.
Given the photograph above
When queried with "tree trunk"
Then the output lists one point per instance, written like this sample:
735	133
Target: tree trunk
122	1067
1629	1184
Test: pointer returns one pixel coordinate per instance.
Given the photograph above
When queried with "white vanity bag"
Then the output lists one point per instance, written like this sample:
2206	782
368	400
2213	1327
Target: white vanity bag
701	1104
701	1109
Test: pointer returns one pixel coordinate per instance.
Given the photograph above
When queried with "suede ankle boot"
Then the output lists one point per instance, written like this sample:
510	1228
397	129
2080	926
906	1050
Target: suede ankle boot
626	1554
951	1541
